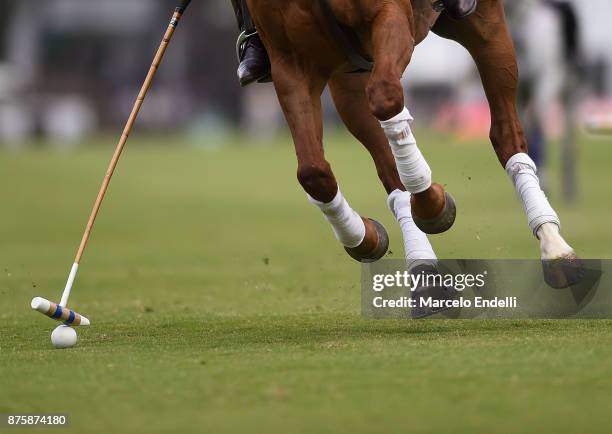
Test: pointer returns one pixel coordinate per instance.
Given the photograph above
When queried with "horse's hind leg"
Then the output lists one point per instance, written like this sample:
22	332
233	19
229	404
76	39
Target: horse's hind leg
486	37
392	45
348	92
299	93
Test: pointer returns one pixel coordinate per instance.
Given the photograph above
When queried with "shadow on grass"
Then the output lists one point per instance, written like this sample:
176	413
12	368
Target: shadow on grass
223	331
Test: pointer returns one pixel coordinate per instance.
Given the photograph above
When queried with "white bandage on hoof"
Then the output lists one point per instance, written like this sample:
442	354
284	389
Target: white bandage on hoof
523	172
348	226
416	245
411	165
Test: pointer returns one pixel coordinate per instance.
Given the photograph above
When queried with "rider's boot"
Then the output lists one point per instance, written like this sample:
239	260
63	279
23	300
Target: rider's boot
252	55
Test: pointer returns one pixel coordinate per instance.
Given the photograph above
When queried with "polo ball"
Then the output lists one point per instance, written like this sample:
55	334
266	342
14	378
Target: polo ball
63	337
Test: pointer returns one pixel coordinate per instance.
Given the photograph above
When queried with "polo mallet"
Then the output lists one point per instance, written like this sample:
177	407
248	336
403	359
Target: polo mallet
59	311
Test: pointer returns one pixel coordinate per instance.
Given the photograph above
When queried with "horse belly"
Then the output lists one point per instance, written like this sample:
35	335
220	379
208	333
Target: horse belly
295	29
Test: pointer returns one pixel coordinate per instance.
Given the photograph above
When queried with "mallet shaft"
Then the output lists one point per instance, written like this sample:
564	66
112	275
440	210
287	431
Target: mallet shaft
68	287
128	127
59	311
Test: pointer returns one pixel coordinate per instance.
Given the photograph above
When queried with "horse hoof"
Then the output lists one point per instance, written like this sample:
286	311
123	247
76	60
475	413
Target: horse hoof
439	294
441	223
563	272
378	252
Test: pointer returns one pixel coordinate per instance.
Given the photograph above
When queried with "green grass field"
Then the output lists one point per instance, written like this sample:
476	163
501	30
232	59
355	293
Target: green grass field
221	302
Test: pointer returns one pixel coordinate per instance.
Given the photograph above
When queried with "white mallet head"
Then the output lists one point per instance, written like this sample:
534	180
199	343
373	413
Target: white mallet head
55	311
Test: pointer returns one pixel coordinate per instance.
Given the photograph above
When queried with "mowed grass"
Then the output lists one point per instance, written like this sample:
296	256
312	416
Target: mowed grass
220	301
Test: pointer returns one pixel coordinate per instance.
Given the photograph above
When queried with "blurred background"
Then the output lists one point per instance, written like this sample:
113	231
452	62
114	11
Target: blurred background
70	69
220	297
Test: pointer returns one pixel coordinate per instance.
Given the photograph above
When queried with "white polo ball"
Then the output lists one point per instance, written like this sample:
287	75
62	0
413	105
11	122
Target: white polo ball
63	337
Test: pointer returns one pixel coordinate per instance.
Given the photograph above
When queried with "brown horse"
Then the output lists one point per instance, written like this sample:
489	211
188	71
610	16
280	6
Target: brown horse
306	56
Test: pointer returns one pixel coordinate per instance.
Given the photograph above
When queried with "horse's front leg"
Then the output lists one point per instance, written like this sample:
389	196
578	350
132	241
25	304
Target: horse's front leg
348	92
350	99
486	37
299	92
392	45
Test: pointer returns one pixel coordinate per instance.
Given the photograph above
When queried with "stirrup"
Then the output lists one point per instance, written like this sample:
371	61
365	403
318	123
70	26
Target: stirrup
437	5
242	39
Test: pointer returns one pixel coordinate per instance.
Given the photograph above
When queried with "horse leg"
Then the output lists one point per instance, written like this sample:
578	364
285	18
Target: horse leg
299	93
486	36
433	210
348	92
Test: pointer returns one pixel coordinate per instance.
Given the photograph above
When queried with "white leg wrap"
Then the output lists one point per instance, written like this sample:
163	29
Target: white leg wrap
523	172
346	223
416	245
412	167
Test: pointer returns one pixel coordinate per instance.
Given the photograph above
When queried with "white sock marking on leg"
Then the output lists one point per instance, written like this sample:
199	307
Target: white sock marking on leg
552	244
348	226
